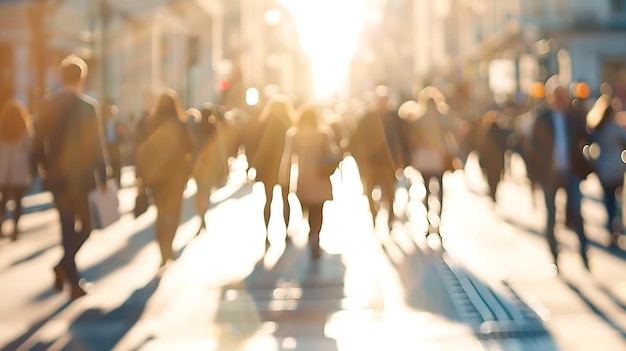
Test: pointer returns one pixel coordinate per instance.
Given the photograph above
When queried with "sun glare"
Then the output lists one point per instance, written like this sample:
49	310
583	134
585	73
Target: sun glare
328	31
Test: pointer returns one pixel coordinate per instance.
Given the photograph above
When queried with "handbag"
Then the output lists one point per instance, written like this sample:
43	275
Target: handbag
104	206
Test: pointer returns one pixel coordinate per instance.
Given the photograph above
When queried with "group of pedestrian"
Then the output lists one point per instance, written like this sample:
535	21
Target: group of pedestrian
292	150
562	142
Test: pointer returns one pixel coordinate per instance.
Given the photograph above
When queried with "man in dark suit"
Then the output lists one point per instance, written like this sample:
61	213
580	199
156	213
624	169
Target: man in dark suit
558	137
68	150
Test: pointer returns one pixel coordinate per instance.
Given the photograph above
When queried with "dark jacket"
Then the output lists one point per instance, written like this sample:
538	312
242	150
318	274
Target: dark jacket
68	142
543	145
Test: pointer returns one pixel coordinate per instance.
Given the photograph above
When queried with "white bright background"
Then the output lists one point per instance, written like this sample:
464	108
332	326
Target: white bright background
329	30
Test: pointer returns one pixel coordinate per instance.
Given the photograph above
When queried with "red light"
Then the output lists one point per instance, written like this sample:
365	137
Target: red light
224	84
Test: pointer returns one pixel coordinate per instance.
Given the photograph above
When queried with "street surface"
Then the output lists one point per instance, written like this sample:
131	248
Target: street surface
487	287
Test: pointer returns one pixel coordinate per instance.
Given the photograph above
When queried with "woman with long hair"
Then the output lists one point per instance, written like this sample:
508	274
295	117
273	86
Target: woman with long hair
430	141
167	138
316	156
274	121
15	167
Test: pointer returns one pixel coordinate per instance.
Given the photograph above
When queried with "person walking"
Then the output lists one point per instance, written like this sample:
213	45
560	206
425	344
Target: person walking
274	121
377	166
114	140
313	149
431	142
167	174
211	166
492	147
68	148
16	174
558	137
608	143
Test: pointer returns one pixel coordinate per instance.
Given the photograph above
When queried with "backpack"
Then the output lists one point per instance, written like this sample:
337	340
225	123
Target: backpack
162	154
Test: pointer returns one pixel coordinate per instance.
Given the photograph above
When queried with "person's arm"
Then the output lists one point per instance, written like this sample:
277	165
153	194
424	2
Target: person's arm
40	133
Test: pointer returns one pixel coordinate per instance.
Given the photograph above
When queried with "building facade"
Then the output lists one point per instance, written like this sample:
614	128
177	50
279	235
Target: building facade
502	47
129	46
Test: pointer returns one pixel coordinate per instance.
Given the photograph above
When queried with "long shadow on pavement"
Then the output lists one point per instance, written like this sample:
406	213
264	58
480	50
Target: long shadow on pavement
20	340
619	253
136	241
424	290
290	302
595	308
434	283
96	329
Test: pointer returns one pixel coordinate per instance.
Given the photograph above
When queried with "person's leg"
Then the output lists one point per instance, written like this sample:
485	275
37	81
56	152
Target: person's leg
284	191
610	205
388	189
367	182
269	196
315	215
439	193
168	201
549	193
574	198
115	160
18	194
493	178
4	197
66	268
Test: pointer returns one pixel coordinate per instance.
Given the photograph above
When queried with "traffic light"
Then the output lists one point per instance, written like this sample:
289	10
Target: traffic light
224	84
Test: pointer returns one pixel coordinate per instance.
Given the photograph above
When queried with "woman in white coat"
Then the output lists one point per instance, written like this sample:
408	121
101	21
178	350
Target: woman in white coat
15	167
313	149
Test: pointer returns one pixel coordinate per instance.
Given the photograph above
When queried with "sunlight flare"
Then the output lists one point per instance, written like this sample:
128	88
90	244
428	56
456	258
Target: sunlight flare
329	31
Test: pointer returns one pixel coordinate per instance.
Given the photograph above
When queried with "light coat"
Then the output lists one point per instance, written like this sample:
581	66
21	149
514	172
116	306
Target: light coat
15	162
311	148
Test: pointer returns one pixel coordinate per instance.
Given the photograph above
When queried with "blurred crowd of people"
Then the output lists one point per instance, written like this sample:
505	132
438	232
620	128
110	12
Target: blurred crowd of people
75	147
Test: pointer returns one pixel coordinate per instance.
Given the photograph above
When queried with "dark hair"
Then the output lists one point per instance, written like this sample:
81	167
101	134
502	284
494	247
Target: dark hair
209	116
168	106
14	120
278	107
308	116
73	69
210	113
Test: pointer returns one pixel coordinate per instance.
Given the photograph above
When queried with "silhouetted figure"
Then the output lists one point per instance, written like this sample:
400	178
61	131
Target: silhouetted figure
396	132
606	151
430	140
68	148
211	167
16	173
369	146
114	140
313	149
492	146
165	175
558	137
140	128
273	123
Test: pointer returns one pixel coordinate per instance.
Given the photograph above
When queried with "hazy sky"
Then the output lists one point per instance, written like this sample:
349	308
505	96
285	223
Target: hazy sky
329	30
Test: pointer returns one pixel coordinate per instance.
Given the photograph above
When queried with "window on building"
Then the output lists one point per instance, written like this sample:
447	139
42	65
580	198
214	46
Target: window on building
618	6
